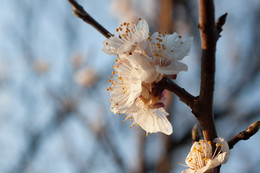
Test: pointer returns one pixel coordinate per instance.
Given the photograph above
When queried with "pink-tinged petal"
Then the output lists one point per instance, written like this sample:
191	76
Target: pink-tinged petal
173	76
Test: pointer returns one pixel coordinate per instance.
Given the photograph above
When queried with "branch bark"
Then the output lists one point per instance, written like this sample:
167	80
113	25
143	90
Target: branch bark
79	11
244	135
183	95
209	35
208	45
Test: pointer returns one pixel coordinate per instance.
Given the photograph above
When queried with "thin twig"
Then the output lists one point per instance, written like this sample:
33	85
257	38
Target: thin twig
79	11
244	135
183	95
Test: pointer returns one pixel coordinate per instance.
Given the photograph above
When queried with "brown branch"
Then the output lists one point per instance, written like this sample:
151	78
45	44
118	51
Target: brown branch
244	135
209	35
79	11
208	44
183	95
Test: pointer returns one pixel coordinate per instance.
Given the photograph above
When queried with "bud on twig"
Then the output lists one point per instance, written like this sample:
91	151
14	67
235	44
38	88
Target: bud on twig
244	135
195	133
253	128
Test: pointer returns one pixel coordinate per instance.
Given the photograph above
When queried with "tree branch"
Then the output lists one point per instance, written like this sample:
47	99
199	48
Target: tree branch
79	11
183	95
244	135
209	35
208	44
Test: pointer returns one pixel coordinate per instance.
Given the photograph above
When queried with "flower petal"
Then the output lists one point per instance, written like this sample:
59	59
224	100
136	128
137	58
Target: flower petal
211	164
143	26
182	50
219	159
112	45
223	157
188	171
153	120
142	67
173	68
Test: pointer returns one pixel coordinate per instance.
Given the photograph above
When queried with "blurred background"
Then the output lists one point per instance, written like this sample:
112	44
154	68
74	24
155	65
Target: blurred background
54	107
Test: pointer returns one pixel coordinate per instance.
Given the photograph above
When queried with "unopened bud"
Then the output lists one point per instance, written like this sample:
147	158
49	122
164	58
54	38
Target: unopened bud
195	133
253	128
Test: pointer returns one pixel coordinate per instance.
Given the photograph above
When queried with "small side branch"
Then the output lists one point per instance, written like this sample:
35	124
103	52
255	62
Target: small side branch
184	96
244	135
79	11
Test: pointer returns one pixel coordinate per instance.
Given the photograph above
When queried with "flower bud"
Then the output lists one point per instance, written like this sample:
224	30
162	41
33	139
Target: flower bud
253	128
195	133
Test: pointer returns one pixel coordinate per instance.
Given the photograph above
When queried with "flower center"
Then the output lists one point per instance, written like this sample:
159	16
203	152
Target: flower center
151	96
201	154
126	31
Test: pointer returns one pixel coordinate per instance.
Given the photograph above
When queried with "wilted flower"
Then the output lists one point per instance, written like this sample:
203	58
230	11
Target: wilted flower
201	159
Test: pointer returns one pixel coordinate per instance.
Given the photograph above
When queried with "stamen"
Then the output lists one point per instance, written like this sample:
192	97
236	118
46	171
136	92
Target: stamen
183	165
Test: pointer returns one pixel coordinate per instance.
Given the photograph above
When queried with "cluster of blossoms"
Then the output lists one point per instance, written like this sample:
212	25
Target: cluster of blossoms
201	158
143	60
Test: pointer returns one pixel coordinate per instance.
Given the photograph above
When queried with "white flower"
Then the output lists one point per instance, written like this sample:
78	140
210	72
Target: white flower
132	94
152	120
144	61
130	37
201	159
165	52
